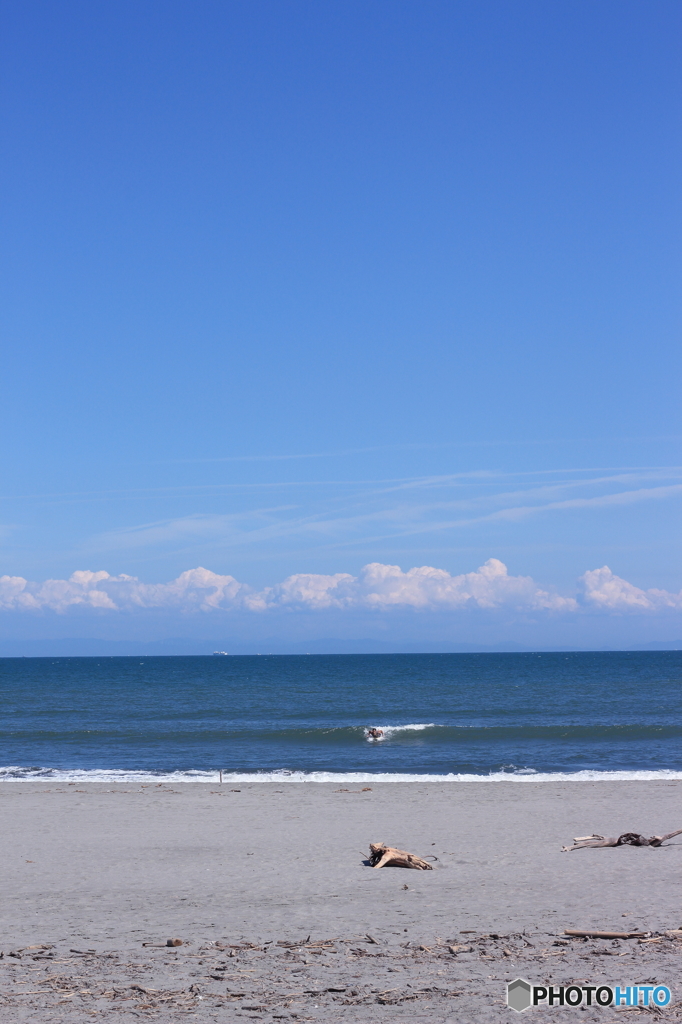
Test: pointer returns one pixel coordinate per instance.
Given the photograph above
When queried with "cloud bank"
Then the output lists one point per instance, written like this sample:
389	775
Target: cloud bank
378	587
603	589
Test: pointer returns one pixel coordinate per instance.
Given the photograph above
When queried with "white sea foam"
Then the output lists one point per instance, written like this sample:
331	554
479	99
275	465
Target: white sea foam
19	774
391	730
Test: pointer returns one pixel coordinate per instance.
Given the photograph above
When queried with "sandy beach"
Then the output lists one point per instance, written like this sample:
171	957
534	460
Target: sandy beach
244	874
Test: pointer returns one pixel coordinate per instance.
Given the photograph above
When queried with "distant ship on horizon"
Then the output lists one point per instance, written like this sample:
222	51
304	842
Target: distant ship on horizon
221	652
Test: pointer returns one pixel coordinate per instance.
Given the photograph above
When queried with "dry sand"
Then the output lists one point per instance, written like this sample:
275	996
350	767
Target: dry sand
105	868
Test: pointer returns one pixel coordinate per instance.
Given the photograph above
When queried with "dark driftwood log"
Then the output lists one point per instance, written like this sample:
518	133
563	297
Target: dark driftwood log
602	935
382	856
626	839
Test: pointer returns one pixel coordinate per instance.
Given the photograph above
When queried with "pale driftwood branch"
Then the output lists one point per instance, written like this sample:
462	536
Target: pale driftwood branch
382	856
657	840
626	839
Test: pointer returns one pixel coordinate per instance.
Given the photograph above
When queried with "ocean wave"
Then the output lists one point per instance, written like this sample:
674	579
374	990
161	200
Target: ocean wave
391	730
510	773
349	735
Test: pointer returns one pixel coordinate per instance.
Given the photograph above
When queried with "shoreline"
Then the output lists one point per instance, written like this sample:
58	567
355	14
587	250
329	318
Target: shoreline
11	773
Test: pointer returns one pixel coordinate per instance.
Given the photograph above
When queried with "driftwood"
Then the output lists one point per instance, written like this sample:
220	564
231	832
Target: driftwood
578	934
382	856
626	839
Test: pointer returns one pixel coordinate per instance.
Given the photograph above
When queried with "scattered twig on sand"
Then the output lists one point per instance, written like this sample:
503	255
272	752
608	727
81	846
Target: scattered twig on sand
625	839
577	933
382	856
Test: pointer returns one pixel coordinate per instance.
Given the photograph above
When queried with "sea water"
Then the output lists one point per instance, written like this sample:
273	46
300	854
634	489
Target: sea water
303	717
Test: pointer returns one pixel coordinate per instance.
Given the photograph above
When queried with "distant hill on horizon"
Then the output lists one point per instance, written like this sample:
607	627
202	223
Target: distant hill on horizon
85	647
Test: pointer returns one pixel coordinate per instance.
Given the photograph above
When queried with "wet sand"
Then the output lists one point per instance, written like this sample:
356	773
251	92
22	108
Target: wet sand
106	868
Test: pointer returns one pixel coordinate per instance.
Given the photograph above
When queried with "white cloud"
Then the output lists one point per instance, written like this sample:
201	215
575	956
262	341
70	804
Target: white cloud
387	586
196	589
602	589
378	586
305	590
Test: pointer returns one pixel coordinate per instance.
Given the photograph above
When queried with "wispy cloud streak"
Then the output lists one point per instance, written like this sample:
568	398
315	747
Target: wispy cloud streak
361	519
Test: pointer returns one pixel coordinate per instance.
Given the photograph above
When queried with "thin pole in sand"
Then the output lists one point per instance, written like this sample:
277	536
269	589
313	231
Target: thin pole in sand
221	777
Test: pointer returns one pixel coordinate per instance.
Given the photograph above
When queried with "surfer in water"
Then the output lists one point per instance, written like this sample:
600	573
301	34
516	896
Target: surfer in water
375	734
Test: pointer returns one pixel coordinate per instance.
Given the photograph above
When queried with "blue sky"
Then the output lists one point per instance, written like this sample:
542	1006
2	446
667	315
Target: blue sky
295	288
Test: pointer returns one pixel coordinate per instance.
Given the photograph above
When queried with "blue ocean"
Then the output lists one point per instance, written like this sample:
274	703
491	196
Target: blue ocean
304	717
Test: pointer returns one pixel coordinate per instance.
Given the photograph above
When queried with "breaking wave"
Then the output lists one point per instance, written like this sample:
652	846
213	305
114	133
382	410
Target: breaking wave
508	773
391	730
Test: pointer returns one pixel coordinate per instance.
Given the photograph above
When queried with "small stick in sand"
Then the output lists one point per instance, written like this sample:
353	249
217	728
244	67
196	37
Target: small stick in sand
382	856
576	933
625	839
